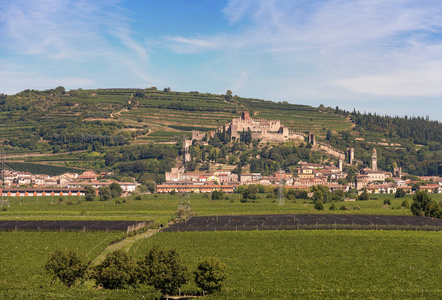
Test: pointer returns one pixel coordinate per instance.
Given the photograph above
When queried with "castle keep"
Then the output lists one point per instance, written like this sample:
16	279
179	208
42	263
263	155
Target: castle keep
261	129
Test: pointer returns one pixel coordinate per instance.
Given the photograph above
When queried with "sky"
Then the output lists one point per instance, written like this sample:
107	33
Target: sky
378	56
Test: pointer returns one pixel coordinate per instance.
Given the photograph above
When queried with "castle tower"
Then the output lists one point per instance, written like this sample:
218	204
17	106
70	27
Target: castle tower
245	115
397	171
374	161
340	162
350	155
186	150
311	138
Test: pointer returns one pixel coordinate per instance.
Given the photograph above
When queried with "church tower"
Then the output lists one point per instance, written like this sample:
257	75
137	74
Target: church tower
374	161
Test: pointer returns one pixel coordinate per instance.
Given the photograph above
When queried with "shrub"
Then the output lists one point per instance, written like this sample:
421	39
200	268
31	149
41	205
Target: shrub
333	207
387	201
405	203
319	206
343	207
356	207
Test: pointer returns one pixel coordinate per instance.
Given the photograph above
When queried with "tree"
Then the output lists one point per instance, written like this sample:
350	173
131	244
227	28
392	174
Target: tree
228	96
164	270
68	266
105	193
249	193
217	195
89	193
363	195
116	190
117	270
329	134
423	205
210	274
151	186
400	193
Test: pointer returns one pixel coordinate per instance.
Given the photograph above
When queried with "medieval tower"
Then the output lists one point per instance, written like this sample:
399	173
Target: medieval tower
374	161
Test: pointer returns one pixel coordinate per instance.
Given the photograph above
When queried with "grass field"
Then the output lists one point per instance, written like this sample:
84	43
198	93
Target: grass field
315	264
312	264
24	254
162	207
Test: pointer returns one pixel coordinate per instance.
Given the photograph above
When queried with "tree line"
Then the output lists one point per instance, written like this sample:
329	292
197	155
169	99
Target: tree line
161	268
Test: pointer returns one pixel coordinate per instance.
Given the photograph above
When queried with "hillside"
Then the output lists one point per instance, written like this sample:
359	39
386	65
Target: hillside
58	121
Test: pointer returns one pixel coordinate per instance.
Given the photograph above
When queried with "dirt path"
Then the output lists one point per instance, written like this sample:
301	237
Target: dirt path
124	244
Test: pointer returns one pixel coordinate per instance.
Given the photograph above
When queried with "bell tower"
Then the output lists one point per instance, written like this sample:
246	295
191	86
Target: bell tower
374	161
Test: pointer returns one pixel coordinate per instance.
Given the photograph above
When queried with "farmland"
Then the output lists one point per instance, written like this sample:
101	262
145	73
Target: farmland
312	264
315	264
24	254
162	207
260	264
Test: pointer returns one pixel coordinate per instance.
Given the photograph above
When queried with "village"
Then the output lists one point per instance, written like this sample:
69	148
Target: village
23	184
304	175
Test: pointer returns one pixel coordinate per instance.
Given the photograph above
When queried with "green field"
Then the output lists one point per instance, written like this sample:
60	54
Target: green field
306	264
25	253
316	264
162	207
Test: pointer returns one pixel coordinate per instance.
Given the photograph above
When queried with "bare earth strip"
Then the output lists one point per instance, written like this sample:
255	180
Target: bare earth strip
305	221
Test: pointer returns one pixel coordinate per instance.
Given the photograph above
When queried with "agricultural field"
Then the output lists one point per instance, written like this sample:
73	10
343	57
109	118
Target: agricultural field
40	168
314	264
162	207
24	254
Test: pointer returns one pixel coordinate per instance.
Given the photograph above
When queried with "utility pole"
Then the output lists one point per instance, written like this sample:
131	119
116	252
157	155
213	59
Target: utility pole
281	190
3	202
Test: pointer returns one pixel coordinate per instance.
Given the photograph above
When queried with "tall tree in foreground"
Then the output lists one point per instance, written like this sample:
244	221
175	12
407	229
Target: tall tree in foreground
210	274
68	266
423	205
164	270
117	270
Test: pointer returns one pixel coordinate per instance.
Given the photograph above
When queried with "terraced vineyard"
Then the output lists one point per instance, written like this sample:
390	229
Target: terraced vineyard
40	168
138	109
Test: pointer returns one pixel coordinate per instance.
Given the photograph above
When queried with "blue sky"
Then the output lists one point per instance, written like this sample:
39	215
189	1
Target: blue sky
381	56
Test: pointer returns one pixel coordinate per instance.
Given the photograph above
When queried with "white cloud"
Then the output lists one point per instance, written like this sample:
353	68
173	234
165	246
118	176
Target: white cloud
328	49
424	82
78	36
13	82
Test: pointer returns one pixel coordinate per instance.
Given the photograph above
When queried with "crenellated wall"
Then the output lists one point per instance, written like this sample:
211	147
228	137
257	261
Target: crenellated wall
330	150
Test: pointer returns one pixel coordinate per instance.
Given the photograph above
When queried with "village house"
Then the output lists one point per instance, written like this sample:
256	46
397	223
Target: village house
250	178
431	188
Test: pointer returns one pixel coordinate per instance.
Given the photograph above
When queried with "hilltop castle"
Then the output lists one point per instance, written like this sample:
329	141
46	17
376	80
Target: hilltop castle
261	129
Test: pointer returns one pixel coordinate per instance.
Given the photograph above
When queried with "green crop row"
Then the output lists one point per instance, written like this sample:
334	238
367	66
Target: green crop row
164	206
25	253
40	168
315	264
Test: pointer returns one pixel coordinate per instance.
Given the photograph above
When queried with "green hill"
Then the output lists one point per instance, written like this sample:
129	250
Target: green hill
57	121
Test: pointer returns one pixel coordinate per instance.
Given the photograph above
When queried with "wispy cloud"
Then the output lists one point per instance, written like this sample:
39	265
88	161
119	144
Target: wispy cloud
318	47
17	80
73	35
